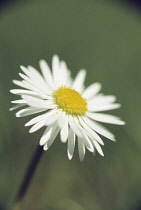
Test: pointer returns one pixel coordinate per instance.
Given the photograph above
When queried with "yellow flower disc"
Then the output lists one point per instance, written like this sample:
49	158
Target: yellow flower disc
70	101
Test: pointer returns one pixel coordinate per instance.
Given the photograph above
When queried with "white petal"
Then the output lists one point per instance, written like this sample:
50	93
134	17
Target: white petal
35	102
36	120
88	144
103	107
91	132
47	73
98	148
19	83
64	131
81	149
78	83
27	72
85	133
37	90
16	106
74	127
35	75
36	84
37	126
19	101
62	120
22	92
46	135
91	90
99	128
45	147
105	118
28	111
26	78
52	118
101	99
71	144
40	118
40	85
65	79
52	138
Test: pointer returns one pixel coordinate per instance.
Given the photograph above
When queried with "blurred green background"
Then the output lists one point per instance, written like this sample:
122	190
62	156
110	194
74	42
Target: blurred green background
105	38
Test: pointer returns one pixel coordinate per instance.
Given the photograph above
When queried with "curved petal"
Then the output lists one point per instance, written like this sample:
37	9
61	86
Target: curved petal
81	149
37	126
71	144
87	142
74	127
46	135
64	131
52	138
98	148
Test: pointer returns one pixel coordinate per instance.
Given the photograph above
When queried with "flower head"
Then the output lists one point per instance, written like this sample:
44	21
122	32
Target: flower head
67	107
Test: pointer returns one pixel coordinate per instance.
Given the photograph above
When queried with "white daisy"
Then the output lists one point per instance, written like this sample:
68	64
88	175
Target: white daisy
67	107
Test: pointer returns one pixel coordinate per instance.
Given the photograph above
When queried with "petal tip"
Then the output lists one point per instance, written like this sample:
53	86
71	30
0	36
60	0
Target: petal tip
17	115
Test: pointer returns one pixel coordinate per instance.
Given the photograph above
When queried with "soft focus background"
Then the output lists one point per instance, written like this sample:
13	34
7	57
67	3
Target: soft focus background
104	37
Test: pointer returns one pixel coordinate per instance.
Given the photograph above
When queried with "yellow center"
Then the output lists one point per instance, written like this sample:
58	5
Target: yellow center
70	101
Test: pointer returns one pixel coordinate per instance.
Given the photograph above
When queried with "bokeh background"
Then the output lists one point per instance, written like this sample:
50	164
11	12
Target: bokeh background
104	37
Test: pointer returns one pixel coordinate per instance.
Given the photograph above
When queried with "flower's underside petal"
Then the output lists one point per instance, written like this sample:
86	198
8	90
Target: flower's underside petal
81	149
71	144
64	131
98	148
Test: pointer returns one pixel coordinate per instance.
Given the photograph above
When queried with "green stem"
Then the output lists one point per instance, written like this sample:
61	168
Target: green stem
29	175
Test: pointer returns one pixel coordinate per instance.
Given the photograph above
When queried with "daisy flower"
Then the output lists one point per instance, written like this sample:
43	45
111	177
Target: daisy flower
65	106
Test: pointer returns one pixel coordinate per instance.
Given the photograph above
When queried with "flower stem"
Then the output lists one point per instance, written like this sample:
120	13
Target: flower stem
29	174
